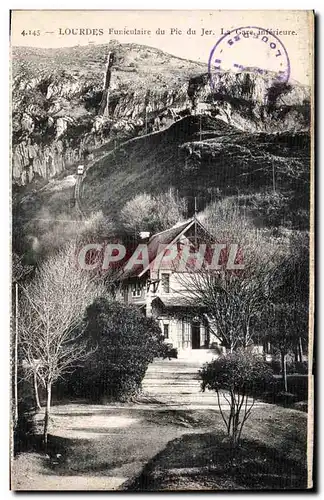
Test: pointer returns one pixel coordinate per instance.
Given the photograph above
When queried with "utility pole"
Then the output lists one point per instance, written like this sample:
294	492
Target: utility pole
273	177
200	128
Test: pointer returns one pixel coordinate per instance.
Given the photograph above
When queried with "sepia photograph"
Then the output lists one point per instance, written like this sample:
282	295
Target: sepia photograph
162	250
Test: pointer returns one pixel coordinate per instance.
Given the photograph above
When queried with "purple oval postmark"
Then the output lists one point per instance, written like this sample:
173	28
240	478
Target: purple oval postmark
250	48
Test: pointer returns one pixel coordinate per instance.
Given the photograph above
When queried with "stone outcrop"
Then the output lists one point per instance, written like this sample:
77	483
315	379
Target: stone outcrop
57	95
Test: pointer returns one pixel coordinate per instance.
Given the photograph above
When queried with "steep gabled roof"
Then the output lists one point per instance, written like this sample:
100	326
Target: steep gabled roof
168	237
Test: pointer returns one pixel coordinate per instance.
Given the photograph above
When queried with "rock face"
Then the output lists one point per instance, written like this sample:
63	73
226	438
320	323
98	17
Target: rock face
58	93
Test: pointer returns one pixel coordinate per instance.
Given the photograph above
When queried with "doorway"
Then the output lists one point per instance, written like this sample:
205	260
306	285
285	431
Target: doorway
195	335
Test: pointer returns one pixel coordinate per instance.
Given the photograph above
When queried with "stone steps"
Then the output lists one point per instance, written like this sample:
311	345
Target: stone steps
176	382
196	356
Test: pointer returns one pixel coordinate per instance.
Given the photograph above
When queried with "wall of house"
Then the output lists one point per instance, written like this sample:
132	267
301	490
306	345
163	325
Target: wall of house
180	332
175	333
134	292
179	286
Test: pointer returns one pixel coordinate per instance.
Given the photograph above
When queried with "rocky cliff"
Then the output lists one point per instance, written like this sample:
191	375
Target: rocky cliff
57	102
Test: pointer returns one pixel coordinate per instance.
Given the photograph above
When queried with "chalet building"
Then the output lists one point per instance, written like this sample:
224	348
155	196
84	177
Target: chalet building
163	292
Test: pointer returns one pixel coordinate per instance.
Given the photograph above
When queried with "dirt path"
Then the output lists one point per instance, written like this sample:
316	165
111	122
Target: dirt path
100	447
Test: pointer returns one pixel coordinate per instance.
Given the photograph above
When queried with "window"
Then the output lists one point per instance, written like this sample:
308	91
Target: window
165	278
136	290
166	331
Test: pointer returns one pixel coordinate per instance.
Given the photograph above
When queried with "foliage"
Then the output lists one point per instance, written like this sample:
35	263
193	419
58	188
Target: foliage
271	208
276	91
285	398
124	343
168	351
300	367
275	366
283	327
56	230
286	315
235	377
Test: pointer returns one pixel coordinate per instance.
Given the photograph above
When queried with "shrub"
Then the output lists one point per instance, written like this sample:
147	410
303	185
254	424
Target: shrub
301	406
275	366
290	367
297	391
236	377
168	351
285	398
293	367
126	342
301	367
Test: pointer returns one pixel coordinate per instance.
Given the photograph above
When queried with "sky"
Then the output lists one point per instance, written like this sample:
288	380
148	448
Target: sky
294	43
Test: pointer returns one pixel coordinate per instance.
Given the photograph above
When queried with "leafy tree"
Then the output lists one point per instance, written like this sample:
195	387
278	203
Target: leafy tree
235	377
283	332
124	342
286	317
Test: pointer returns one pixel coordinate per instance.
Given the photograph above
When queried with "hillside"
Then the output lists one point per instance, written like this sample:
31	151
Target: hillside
163	127
206	158
57	96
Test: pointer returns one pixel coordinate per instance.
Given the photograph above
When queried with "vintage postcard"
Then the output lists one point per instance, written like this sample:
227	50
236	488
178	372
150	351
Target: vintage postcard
162	250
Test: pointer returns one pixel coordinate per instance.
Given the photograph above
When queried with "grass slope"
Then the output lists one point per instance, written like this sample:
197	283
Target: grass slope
202	157
272	456
154	447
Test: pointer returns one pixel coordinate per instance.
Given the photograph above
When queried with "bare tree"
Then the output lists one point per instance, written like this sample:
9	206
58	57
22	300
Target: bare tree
52	315
234	299
227	219
145	212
